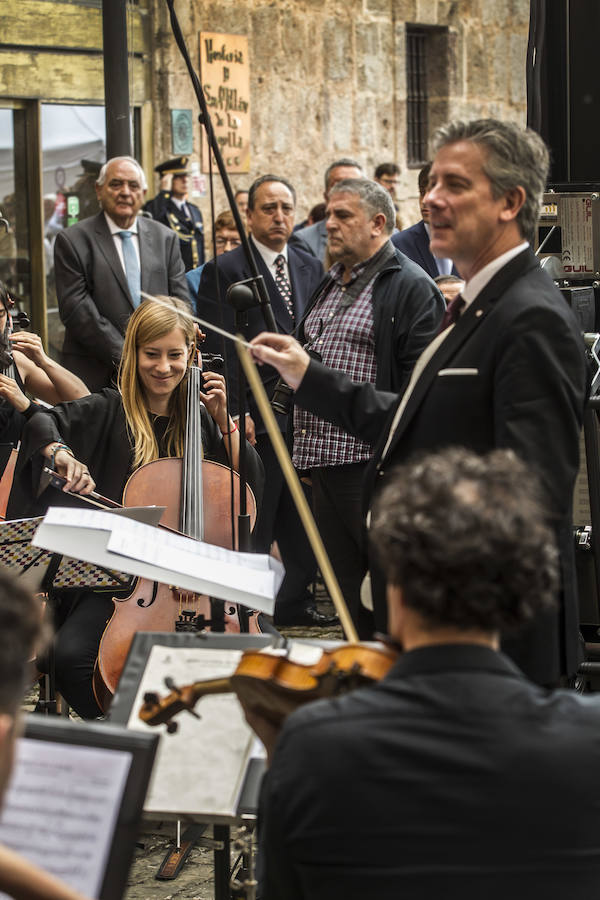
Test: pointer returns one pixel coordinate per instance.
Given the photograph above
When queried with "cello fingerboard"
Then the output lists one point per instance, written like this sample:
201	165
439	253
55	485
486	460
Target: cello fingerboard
192	515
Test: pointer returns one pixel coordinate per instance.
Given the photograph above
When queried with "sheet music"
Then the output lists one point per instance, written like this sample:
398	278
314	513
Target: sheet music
200	769
102	538
61	809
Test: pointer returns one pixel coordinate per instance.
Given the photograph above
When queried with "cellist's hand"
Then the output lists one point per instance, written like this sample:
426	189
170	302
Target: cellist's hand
78	478
10	390
214	397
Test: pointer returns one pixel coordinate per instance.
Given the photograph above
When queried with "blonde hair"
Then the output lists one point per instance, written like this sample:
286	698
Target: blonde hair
150	321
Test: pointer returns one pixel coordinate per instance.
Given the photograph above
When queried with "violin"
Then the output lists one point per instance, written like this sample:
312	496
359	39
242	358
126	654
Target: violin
272	685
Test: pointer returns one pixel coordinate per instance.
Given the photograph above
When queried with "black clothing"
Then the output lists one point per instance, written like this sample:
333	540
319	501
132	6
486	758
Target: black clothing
337	504
510	374
452	777
11	424
407	311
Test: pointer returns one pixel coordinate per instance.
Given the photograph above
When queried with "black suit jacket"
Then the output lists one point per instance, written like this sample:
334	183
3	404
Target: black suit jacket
305	272
511	373
93	297
449	778
414	242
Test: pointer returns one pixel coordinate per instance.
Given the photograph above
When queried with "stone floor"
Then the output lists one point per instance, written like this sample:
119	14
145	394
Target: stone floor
156	839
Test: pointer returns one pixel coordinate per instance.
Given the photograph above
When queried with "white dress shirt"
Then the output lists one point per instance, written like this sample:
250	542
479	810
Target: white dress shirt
118	241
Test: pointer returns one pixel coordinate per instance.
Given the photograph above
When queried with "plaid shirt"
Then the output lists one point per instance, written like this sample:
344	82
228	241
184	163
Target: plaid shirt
344	338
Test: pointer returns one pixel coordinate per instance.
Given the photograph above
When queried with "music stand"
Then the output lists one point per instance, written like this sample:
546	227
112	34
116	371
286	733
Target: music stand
87	781
49	573
121	709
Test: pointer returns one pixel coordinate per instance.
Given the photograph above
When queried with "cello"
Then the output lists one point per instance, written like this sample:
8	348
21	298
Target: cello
199	497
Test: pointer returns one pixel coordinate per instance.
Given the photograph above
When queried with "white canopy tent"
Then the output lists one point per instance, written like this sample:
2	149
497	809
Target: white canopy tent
69	134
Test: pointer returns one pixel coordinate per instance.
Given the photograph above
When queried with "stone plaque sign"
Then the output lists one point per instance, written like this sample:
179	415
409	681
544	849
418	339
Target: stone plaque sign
225	77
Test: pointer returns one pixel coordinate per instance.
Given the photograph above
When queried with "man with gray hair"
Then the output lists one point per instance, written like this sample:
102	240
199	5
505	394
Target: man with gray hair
103	263
313	238
370	318
509	369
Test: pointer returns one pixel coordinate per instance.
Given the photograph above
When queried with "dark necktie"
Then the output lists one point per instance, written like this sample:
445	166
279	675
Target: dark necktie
283	285
452	313
132	266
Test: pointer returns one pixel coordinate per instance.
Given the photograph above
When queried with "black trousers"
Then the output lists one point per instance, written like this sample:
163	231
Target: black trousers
279	521
337	501
81	620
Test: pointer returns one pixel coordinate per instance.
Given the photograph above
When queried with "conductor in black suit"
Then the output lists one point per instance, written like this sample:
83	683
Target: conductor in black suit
509	369
101	266
290	277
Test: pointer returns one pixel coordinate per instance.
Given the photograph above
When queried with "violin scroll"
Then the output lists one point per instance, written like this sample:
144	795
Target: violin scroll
155	711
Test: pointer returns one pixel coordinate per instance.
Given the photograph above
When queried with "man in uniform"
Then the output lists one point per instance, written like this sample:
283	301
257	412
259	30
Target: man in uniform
172	207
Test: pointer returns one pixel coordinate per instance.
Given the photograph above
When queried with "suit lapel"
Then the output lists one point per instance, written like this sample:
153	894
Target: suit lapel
150	251
298	278
429	263
462	331
106	245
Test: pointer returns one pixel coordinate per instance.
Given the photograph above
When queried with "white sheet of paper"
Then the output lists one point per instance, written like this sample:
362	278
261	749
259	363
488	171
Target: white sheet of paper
61	808
138	549
200	769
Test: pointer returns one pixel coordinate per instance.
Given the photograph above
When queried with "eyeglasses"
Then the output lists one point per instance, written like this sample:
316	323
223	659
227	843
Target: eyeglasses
223	242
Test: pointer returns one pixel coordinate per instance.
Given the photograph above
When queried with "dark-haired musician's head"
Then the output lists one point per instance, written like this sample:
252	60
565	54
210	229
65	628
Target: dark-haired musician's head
20	632
464	546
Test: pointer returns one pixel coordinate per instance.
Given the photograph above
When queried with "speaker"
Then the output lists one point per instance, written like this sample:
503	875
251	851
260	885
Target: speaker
563	90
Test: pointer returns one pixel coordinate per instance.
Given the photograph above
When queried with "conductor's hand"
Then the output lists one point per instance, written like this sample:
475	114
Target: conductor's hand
284	353
79	480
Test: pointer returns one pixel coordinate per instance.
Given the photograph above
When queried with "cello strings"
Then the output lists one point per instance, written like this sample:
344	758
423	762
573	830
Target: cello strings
209	325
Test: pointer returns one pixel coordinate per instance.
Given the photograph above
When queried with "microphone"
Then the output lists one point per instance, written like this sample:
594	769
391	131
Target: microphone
241	295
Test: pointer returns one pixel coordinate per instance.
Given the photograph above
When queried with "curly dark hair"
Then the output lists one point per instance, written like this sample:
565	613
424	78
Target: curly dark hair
466	539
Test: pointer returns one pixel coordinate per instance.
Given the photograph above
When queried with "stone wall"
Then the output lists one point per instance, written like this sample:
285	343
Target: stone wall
328	78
